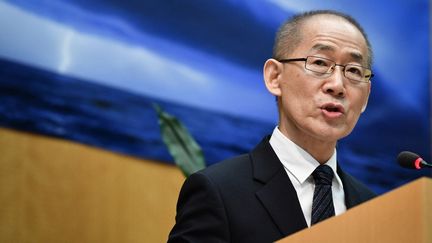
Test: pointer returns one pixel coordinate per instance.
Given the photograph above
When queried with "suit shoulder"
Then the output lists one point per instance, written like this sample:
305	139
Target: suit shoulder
229	167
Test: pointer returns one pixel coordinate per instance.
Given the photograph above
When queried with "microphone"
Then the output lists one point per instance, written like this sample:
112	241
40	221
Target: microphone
411	160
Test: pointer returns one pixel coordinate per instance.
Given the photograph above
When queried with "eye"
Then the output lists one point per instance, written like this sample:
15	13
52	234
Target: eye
356	71
320	62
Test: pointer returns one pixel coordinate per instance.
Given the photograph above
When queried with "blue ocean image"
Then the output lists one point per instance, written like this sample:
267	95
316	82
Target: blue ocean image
43	102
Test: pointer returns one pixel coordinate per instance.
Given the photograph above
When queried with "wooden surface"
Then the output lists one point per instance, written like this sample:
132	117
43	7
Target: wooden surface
53	190
402	215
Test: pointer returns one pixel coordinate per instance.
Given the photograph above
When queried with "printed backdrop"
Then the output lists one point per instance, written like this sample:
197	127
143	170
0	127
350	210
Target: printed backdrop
90	70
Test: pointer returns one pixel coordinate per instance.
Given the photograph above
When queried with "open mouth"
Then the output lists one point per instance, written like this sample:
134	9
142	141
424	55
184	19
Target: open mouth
333	108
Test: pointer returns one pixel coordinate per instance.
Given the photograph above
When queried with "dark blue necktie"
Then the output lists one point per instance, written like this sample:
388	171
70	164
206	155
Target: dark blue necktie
322	205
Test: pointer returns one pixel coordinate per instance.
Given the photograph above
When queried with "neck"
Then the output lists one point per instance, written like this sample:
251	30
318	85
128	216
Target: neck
318	149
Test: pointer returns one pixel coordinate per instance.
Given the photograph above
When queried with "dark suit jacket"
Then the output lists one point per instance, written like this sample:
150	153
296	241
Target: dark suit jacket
249	198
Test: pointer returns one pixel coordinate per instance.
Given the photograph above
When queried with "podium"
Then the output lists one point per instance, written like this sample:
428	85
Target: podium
402	215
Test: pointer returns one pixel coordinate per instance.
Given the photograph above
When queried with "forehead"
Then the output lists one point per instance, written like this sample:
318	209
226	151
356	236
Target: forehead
332	35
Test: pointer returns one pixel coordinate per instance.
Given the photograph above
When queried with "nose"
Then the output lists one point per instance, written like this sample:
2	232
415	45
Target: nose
334	84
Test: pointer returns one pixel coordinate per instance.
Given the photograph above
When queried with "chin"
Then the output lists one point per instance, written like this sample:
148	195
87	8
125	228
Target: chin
333	134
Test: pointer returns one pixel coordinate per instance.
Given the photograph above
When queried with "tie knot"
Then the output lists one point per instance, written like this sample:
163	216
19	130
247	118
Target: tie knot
323	175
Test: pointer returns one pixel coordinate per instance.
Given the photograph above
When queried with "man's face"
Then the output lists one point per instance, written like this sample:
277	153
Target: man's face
323	109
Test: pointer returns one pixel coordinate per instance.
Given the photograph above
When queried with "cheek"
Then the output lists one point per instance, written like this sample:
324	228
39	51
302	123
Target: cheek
357	104
298	88
361	99
297	98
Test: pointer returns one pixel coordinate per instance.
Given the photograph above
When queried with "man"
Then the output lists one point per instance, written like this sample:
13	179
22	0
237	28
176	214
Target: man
320	74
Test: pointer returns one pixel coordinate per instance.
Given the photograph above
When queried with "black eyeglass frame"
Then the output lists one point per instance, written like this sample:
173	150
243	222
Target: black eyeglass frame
304	59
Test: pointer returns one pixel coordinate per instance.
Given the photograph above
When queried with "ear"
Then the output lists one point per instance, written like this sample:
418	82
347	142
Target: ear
272	71
367	99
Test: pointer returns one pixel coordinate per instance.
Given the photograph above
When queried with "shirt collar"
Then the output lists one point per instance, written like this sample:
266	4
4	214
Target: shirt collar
296	160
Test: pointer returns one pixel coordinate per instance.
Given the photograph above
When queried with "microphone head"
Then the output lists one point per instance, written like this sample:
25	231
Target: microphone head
408	159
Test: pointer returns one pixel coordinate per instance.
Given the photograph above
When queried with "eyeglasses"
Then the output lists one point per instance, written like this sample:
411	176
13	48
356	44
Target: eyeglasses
323	67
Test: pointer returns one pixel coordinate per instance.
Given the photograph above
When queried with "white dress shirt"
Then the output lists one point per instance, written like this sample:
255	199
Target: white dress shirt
299	166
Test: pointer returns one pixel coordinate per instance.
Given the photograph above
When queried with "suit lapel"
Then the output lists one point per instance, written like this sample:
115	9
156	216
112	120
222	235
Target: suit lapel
277	194
352	197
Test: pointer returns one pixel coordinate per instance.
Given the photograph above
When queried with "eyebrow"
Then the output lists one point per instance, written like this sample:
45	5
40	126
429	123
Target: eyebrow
321	47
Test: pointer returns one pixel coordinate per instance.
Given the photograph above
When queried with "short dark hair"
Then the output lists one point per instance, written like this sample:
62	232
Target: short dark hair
289	35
